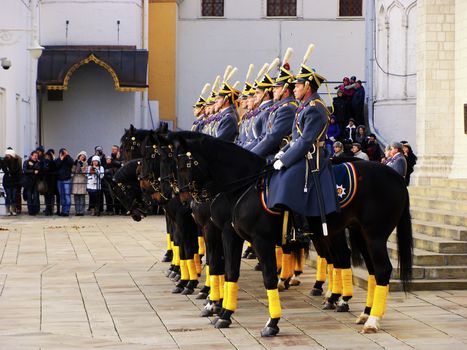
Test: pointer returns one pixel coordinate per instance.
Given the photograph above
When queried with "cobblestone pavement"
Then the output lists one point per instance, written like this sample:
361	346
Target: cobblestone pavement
97	283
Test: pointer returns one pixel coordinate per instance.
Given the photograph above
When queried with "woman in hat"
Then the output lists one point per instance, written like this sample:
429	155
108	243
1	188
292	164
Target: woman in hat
11	167
95	173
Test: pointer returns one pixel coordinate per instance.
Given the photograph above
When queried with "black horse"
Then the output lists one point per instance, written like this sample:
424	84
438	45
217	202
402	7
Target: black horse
210	166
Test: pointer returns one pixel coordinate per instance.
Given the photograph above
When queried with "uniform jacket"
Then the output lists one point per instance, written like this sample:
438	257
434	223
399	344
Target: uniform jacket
198	124
278	126
259	124
399	164
227	128
243	129
293	187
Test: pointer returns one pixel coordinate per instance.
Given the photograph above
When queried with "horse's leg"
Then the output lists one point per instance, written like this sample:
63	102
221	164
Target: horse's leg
287	268
279	253
341	253
321	266
190	230
233	245
169	252
216	270
383	269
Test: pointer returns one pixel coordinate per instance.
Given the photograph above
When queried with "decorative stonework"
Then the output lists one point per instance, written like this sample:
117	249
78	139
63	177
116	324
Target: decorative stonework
8	37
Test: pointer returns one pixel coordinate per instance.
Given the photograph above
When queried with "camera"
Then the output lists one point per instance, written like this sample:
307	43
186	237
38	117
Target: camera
6	63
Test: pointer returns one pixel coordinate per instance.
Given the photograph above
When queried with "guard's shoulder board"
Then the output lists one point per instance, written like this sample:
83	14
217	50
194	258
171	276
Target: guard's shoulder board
312	103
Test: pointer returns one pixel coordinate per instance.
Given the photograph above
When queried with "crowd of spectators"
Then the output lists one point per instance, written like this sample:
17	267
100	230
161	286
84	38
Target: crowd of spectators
348	135
57	178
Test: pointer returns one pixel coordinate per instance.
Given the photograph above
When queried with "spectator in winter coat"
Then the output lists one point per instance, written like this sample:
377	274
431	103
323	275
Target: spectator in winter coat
11	167
350	131
112	164
361	137
31	169
397	160
357	151
338	149
48	175
358	103
79	182
333	134
64	163
94	184
340	109
411	161
372	148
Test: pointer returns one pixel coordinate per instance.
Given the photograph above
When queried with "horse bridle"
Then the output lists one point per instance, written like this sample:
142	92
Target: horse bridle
170	178
199	195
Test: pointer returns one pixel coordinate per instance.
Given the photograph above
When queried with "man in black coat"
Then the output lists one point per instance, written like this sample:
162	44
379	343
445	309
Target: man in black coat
63	164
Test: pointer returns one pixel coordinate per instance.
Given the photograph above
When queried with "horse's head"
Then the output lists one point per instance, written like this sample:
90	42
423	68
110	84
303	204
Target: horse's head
149	170
130	142
192	169
168	167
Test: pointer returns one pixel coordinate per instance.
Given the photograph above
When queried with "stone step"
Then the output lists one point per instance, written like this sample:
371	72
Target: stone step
426	258
455	184
438	192
440	216
435	244
440	230
360	278
438	203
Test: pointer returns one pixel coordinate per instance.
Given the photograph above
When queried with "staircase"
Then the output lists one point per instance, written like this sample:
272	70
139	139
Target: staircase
439	224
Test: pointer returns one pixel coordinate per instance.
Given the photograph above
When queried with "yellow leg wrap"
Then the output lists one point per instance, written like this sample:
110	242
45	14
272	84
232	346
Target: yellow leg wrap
275	310
169	242
370	294
249	244
278	257
300	263
330	268
208	277
197	264
221	286
185	275
321	267
347	285
337	281
232	296
386	304
286	271
225	300
192	269
201	246
379	301
176	258
214	294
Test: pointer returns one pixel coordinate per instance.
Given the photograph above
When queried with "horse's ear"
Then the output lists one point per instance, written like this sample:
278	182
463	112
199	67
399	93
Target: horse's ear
132	128
177	141
164	127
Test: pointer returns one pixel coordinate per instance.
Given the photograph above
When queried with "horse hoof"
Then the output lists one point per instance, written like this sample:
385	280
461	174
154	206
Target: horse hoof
269	331
177	290
206	313
258	267
216	310
316	292
295	281
251	256
176	278
214	320
201	295
172	274
281	286
362	318
221	323
371	325
188	291
329	306
166	258
343	308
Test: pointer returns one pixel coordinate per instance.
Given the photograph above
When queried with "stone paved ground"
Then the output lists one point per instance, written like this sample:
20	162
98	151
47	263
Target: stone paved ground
97	283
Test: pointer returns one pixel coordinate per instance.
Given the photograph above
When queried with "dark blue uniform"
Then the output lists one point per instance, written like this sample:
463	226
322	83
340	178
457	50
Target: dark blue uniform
259	124
278	126
293	186
198	124
227	127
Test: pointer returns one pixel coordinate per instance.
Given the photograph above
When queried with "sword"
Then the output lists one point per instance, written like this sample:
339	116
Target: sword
314	174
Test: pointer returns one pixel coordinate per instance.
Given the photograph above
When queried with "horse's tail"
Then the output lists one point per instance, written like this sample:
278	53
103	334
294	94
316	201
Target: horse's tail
356	255
405	245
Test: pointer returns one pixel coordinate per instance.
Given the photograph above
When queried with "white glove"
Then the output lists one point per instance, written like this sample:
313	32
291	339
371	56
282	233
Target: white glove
332	139
279	155
278	165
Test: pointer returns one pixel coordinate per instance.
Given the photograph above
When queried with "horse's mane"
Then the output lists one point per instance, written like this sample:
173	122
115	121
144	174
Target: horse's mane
127	172
229	160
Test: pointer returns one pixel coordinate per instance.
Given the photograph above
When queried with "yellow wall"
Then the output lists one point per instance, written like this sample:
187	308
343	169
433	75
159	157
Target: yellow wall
162	56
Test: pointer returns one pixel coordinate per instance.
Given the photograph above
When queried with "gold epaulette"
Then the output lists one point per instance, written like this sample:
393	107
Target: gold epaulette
290	103
320	101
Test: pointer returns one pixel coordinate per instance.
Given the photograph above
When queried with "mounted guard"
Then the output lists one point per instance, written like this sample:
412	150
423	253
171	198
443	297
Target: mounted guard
305	182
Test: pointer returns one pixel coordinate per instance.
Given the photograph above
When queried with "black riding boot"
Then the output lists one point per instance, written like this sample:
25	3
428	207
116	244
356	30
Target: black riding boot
302	229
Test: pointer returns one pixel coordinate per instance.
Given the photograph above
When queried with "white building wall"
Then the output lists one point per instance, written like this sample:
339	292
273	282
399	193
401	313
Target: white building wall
394	70
17	115
244	35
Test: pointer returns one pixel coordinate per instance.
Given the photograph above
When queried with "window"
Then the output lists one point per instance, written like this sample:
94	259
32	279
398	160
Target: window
282	8
350	8
212	8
